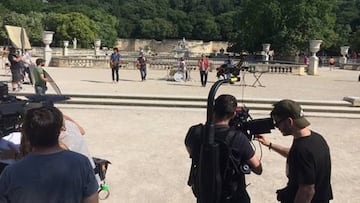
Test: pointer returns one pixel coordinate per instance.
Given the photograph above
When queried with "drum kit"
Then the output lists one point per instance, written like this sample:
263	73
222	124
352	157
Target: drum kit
178	75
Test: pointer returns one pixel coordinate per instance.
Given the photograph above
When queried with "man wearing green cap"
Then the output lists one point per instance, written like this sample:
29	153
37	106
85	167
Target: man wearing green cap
308	165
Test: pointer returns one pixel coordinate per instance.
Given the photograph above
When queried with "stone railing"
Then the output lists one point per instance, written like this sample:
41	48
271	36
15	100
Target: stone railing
102	61
170	63
350	66
296	69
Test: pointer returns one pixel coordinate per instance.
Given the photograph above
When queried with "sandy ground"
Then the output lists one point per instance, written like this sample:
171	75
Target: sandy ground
146	145
150	163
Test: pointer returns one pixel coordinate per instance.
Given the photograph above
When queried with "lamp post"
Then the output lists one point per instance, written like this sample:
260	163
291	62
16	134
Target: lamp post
314	60
47	38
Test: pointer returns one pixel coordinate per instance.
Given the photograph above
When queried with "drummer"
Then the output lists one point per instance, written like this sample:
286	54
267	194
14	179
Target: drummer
182	68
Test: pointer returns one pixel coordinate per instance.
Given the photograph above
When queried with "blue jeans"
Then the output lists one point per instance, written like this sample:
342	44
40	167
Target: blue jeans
40	90
143	73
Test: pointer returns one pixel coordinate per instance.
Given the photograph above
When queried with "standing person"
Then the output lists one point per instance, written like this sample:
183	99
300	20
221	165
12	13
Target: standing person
141	65
308	165
27	63
239	145
229	66
182	68
39	77
203	65
115	61
331	62
15	67
49	173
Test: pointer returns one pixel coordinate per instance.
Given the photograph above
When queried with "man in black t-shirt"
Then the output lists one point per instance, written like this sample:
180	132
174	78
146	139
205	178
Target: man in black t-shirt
224	111
308	159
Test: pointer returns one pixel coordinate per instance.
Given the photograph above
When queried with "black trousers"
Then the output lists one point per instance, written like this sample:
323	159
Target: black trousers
203	77
115	73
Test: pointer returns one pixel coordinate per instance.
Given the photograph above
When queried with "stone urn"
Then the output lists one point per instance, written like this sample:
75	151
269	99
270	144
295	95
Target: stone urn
97	44
314	60
66	43
344	51
65	50
47	38
315	46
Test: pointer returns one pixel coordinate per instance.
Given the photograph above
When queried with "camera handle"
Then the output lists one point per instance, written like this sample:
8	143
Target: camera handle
209	137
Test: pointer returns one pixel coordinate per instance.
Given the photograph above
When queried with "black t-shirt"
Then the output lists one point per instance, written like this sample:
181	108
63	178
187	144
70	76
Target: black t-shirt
308	163
240	147
14	65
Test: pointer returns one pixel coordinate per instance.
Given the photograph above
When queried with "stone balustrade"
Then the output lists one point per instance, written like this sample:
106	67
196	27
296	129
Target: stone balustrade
296	69
170	63
350	66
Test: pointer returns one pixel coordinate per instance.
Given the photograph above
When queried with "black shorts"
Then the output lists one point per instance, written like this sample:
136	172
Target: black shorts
16	75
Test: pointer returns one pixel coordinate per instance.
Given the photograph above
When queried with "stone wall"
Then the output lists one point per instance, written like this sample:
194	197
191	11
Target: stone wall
194	46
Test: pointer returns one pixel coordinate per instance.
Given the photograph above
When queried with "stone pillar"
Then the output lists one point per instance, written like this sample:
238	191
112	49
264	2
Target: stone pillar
97	44
314	60
47	38
65	50
344	51
266	49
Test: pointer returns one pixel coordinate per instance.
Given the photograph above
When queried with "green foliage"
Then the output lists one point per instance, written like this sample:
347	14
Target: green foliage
32	23
158	29
23	6
286	25
355	39
73	25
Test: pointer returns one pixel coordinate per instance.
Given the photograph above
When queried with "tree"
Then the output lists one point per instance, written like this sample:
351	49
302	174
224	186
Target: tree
33	24
287	26
23	6
158	29
182	22
73	25
204	25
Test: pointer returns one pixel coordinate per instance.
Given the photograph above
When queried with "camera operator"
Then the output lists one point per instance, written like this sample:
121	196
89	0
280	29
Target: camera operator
224	111
308	159
49	173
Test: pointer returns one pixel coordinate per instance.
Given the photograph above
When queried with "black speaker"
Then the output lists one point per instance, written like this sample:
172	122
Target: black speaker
3	90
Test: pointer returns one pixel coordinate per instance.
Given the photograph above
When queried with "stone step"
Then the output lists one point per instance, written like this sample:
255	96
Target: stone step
256	105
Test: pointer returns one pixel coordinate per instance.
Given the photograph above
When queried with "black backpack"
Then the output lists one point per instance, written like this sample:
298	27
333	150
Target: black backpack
227	176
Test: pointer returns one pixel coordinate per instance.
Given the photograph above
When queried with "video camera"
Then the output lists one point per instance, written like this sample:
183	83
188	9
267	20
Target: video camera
13	109
225	69
250	127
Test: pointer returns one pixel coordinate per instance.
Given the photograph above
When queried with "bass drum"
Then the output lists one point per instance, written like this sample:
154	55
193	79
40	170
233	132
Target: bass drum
179	76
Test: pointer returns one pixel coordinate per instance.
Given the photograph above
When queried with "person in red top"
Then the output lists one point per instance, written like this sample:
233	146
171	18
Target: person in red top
203	65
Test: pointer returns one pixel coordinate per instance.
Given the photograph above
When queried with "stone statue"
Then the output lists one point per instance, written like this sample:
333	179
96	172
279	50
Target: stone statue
74	43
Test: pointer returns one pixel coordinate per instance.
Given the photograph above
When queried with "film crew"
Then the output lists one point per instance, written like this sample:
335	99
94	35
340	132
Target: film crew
241	149
16	66
48	173
308	159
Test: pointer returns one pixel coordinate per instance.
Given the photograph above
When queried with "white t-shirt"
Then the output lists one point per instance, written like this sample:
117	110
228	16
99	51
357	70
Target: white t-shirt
13	139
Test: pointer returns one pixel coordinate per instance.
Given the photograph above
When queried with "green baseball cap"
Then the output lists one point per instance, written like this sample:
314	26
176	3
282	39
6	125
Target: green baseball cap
289	108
